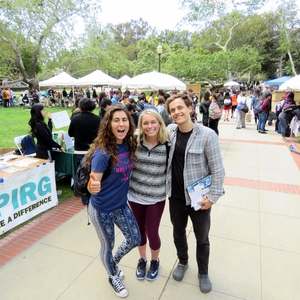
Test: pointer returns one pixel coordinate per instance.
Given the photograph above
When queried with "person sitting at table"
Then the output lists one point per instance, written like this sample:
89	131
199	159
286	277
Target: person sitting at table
84	128
25	100
42	132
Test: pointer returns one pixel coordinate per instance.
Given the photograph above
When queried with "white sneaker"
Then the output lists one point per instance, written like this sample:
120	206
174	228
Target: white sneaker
118	286
118	272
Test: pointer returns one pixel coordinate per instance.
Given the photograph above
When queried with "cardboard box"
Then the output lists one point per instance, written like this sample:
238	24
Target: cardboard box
7	151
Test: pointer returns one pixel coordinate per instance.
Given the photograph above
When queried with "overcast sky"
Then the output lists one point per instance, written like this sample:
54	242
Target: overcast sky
162	14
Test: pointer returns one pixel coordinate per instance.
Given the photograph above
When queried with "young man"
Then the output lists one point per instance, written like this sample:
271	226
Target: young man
116	97
194	154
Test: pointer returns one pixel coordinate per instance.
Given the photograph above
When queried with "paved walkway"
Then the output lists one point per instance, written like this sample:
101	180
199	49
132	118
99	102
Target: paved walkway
255	240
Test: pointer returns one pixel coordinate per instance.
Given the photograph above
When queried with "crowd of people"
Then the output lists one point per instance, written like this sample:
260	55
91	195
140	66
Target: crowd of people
150	152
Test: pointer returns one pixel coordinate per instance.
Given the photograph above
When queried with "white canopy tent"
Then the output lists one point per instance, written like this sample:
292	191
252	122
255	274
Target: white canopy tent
231	83
124	80
62	79
291	84
155	81
98	78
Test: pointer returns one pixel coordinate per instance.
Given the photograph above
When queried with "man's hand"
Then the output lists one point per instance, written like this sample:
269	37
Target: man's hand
206	204
94	185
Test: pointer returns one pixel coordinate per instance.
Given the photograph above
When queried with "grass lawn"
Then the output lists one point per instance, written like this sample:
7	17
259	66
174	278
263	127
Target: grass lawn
14	122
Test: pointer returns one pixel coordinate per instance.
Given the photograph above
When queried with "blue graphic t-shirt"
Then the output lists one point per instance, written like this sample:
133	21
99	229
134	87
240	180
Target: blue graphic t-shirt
114	188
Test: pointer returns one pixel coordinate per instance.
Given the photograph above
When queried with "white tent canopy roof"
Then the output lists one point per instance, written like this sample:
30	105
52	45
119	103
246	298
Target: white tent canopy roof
155	81
124	80
231	83
62	79
98	78
291	84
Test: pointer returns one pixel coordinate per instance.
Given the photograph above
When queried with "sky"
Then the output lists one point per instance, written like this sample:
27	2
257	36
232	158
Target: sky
162	14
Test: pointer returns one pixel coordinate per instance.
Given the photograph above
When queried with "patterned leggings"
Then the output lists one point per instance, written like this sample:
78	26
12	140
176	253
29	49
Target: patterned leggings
104	226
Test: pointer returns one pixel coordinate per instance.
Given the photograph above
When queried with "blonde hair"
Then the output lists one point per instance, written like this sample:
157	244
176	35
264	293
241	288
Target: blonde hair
162	133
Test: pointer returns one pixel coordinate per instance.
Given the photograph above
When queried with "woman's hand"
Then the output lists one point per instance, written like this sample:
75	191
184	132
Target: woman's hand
94	185
62	149
49	116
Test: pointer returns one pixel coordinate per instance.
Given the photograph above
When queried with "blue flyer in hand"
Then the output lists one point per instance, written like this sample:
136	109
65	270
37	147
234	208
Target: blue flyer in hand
198	190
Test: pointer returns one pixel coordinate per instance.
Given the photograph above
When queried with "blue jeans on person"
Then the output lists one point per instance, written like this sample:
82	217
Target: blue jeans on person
283	124
104	225
262	121
85	200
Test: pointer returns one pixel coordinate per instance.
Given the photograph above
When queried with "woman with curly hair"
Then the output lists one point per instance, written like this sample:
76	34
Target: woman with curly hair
42	132
113	152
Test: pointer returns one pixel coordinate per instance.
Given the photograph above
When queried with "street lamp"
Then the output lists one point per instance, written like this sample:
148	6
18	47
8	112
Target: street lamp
159	51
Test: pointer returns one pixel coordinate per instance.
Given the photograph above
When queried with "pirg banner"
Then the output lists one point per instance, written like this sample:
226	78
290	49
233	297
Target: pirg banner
26	194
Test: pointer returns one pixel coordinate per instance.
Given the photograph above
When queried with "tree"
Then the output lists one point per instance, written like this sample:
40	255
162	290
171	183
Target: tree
204	12
40	26
128	34
288	20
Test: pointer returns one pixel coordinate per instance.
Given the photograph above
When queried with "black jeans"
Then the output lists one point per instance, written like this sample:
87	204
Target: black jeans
213	124
179	213
84	200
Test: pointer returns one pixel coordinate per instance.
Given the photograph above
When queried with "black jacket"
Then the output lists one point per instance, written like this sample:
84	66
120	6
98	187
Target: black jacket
44	138
203	109
84	128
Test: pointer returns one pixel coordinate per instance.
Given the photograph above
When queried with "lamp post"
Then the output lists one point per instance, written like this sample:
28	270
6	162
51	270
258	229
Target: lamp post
159	51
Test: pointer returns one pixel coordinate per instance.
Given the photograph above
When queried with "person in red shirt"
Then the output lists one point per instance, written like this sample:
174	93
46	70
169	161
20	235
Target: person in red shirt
233	103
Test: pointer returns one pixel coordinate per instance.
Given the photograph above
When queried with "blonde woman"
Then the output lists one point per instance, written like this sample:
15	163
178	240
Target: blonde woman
147	188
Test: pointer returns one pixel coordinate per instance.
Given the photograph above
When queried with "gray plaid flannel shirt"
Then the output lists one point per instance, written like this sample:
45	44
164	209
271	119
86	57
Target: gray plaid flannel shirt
202	157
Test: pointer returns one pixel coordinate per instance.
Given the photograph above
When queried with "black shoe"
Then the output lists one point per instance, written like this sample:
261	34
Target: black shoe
153	271
266	130
263	132
140	272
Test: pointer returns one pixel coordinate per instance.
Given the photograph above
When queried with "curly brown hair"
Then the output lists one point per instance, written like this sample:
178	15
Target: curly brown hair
106	139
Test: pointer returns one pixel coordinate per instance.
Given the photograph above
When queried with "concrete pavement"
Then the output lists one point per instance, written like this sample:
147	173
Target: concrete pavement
255	240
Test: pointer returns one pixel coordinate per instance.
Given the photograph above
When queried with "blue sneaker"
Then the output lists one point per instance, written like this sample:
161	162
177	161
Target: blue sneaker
153	270
140	272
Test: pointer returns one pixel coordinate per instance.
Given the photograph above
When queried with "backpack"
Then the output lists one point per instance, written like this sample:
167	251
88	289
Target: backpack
82	178
257	106
214	111
289	107
227	102
28	145
194	98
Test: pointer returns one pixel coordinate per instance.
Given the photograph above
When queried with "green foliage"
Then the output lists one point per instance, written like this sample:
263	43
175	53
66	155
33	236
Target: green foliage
204	12
231	41
51	21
